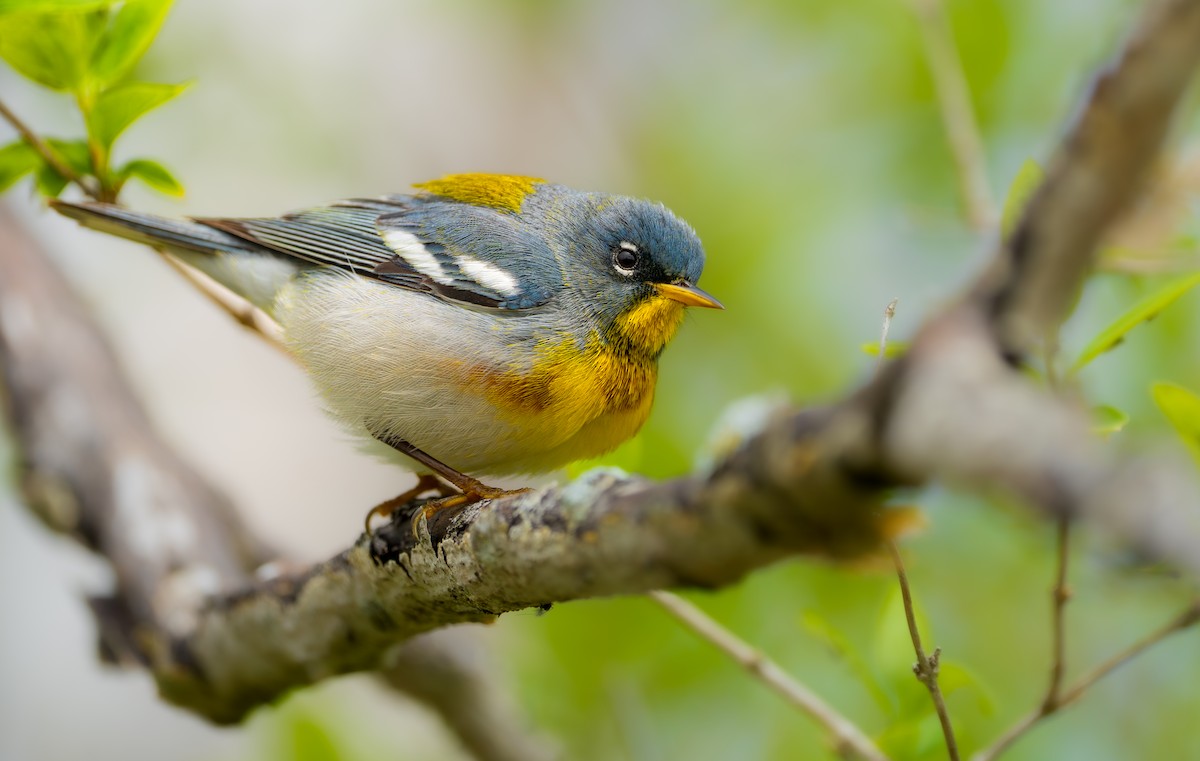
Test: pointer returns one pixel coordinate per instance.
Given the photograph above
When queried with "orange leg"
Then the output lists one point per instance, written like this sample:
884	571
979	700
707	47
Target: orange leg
436	506
465	484
471	490
425	482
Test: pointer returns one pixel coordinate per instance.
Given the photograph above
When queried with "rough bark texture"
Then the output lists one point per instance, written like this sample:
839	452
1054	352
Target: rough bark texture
810	482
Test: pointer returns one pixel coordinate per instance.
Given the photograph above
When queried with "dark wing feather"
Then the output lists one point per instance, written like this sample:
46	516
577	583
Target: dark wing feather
472	253
452	250
342	236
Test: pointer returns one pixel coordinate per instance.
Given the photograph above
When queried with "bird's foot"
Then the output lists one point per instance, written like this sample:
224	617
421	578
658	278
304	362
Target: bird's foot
425	482
475	492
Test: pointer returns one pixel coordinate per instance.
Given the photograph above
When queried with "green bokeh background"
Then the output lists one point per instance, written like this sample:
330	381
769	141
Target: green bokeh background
802	139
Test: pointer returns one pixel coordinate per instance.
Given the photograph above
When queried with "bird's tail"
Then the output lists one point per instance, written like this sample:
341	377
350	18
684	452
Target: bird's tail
251	271
152	230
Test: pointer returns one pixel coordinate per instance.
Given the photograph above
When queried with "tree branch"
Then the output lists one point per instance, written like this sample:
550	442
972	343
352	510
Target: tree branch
1099	168
91	466
447	671
954	407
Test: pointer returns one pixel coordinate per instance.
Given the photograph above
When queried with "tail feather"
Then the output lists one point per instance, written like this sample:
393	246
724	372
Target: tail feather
150	229
253	272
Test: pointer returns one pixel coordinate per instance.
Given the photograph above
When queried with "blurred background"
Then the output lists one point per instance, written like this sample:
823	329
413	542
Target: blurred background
802	139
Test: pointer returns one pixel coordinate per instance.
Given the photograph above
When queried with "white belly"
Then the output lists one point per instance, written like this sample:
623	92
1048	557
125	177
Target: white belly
391	361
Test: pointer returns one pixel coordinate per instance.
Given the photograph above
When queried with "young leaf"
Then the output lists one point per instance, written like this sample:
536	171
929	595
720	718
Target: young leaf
16	160
1144	311
894	348
119	107
1107	420
841	647
73	153
51	48
42	6
914	737
153	174
133	28
1028	178
892	653
953	676
49	182
1182	408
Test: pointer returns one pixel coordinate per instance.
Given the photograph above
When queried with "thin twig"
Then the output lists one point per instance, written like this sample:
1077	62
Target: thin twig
1060	596
1061	593
849	740
47	154
926	667
246	314
241	310
1189	617
889	312
958	117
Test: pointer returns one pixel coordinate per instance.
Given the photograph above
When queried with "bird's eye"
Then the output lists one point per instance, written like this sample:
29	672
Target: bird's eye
625	257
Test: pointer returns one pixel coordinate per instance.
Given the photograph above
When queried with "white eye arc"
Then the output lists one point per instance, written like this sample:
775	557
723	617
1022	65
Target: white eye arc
625	257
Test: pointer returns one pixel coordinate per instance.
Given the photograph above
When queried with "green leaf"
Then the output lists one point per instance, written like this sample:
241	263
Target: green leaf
1107	420
309	740
51	48
16	160
73	153
153	174
43	6
914	738
893	648
1144	311
894	348
133	28
302	730
1023	186
953	676
49	182
841	647
893	656
1182	408
121	106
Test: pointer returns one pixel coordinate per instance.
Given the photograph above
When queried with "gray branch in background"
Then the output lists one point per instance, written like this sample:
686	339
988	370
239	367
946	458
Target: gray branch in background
810	482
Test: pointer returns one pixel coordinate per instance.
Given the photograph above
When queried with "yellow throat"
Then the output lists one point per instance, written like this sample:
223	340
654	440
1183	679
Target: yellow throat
649	325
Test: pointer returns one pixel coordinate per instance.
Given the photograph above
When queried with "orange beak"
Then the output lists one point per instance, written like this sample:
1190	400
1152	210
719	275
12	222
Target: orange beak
688	295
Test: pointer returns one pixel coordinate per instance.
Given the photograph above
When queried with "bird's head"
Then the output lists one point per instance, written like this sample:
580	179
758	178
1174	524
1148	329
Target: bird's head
635	264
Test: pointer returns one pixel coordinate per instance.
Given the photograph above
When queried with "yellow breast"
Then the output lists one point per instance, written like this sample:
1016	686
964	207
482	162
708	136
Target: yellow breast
576	404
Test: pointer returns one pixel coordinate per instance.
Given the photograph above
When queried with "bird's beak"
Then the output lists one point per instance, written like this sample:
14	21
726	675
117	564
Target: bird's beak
687	294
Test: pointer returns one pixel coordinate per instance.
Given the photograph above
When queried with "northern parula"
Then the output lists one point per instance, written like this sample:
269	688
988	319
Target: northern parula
486	324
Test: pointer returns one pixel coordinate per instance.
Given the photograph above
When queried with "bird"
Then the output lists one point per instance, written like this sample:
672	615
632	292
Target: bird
479	325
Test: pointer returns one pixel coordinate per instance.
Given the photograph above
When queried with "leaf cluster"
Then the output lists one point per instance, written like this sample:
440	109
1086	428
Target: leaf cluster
86	49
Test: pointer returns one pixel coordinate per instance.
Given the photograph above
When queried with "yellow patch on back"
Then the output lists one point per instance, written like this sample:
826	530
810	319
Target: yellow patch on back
497	191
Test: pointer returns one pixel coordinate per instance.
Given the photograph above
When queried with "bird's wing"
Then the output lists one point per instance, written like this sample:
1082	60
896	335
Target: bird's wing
456	251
